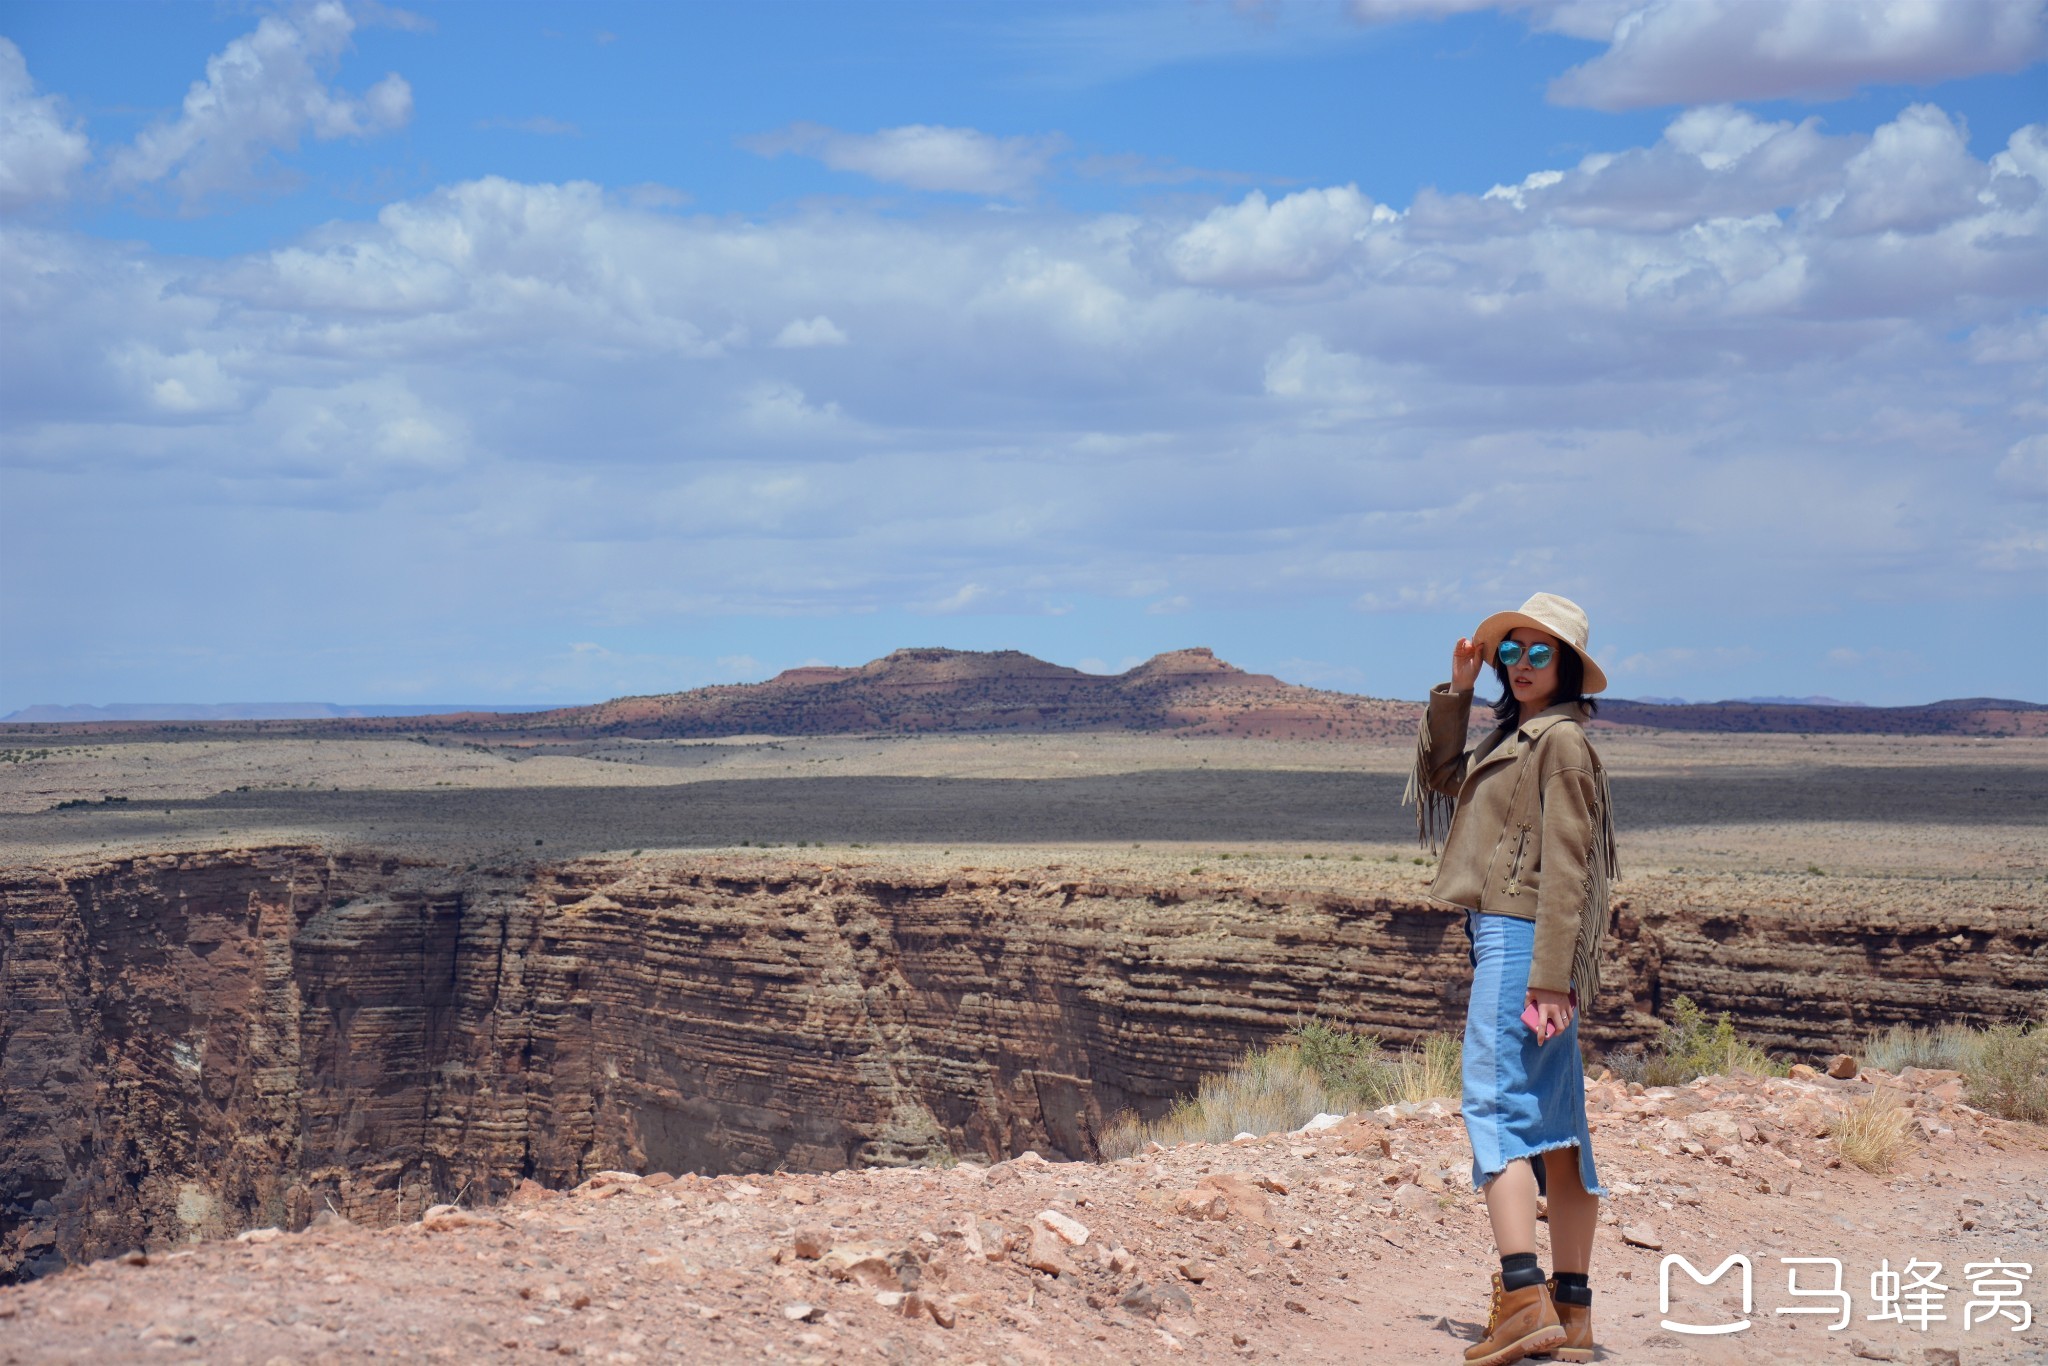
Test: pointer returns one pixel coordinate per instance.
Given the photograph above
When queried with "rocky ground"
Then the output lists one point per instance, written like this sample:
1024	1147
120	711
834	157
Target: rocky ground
1359	1241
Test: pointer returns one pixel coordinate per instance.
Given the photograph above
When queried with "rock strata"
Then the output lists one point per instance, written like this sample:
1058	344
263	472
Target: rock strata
196	1044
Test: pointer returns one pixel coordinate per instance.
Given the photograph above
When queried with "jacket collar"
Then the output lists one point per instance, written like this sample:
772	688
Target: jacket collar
1550	716
1510	744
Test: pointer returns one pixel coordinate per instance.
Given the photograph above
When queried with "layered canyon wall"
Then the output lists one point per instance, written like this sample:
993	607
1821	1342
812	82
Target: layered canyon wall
195	1043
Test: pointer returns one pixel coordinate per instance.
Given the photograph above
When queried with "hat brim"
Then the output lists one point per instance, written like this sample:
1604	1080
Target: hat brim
1496	627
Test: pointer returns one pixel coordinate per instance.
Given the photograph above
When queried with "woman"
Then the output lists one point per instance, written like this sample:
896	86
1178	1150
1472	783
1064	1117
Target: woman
1527	857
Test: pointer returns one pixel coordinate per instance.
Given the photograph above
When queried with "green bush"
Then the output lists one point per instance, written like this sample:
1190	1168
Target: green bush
2007	1072
1691	1046
2005	1067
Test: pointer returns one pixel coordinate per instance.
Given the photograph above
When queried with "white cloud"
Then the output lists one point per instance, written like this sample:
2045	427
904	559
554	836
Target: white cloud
1681	52
958	601
1916	174
375	428
188	383
39	149
1306	370
262	93
1298	239
1724	348
923	156
2025	468
774	408
802	333
1705	51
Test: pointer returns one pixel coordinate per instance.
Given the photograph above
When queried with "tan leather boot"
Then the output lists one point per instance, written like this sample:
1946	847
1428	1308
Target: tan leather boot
1520	1322
1578	1327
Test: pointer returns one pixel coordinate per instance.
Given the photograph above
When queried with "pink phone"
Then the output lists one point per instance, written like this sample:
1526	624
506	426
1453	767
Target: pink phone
1534	1020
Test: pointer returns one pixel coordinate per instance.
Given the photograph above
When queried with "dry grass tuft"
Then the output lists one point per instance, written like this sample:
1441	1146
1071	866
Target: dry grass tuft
1320	1068
1948	1047
1271	1090
1875	1131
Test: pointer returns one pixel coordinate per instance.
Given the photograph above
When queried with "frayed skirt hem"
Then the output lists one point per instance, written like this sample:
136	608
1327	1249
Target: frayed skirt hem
1480	1181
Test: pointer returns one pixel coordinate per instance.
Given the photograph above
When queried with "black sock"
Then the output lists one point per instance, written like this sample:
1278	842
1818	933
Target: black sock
1572	1288
1519	1270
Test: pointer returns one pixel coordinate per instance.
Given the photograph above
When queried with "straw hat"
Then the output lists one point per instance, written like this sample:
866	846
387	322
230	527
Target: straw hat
1561	617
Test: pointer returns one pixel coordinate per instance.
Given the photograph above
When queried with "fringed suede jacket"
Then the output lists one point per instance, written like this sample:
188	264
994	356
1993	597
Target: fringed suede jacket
1531	830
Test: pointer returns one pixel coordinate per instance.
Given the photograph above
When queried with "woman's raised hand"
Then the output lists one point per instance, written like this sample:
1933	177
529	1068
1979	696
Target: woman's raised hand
1465	662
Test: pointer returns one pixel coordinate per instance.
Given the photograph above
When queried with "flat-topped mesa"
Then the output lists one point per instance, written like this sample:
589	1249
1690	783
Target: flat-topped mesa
936	666
934	689
1197	666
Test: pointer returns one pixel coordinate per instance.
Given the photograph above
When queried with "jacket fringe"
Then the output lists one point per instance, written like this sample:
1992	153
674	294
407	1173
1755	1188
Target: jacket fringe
1433	810
1602	868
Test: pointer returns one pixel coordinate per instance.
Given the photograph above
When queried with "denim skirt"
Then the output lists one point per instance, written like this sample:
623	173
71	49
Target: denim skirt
1521	1099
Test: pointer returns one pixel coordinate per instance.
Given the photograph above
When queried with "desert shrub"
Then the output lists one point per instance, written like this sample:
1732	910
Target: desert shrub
1271	1089
2005	1067
1628	1062
1319	1068
1346	1061
1359	1070
1690	1046
1874	1132
1903	1045
2006	1072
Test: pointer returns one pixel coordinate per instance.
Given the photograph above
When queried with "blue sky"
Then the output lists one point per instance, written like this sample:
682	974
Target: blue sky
551	352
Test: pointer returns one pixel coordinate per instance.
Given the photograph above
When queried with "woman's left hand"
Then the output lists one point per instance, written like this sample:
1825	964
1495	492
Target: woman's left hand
1553	1012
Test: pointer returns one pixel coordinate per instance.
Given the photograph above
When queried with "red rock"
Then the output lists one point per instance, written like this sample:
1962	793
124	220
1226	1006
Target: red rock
1069	1230
864	1266
1047	1253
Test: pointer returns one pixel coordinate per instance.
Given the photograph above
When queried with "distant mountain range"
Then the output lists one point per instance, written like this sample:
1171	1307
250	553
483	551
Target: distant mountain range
1189	692
923	691
250	711
1814	701
1956	716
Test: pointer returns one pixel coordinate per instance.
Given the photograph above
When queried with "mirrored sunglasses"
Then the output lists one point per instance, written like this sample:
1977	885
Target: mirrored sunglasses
1510	654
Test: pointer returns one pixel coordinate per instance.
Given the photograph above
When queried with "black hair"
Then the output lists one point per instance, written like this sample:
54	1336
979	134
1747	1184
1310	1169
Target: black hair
1571	687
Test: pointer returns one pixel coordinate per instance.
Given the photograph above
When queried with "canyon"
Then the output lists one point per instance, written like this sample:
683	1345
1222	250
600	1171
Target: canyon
201	1041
